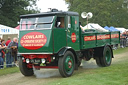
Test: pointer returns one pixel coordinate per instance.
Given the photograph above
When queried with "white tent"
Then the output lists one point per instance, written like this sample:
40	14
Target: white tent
6	32
95	26
121	29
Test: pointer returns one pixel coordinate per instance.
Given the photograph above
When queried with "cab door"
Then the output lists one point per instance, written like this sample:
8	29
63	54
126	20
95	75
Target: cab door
59	33
73	32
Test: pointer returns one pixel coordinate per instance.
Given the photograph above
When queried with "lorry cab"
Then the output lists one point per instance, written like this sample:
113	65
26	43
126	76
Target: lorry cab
49	40
48	33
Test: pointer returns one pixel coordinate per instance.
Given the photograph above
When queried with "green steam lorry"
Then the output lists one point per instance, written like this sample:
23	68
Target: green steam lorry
54	40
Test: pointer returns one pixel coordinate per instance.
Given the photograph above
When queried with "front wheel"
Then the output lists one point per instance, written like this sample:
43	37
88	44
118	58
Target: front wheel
24	69
66	64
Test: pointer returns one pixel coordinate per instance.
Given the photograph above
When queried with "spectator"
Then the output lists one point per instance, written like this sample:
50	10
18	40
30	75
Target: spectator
8	54
0	39
123	37
127	39
8	41
2	53
13	46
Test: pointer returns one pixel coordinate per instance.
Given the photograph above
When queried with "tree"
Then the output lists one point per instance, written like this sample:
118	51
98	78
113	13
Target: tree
106	12
10	10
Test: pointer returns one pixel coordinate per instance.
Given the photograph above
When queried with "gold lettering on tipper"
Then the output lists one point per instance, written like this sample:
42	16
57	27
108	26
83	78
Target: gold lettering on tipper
114	35
89	38
100	37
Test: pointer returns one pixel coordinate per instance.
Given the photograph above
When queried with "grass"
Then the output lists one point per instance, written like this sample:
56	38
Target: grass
116	74
120	50
6	71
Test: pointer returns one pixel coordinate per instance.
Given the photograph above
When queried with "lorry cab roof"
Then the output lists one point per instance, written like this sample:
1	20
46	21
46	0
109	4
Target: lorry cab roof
70	13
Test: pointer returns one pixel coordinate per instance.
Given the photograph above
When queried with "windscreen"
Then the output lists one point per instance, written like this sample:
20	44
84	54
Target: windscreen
36	23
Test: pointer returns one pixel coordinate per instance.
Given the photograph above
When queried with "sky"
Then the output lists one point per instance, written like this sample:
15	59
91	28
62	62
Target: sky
58	4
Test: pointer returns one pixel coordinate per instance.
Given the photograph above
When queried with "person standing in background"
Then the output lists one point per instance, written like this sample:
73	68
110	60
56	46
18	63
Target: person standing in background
0	39
2	53
13	46
124	39
8	54
8	41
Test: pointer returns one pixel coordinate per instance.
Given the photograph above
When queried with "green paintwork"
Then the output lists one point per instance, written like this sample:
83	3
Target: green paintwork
108	57
73	29
69	64
62	36
47	48
115	40
57	38
99	43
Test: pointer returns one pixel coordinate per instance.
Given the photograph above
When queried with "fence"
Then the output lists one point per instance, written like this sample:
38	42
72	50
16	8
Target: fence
9	60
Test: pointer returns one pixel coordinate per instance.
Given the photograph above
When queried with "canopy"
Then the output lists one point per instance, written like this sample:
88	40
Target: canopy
8	30
111	29
107	28
121	29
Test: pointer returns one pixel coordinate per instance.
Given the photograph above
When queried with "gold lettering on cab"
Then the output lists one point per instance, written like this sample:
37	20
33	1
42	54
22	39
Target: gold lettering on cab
33	40
73	37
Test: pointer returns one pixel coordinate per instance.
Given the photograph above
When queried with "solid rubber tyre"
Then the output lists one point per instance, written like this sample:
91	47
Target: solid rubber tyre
23	68
107	57
66	64
104	57
98	61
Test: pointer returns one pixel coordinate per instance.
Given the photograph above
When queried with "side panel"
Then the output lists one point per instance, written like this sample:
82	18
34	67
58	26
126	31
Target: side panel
92	40
115	37
103	39
73	32
59	39
88	40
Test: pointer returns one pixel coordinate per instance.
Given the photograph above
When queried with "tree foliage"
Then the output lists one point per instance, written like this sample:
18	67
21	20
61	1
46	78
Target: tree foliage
10	10
105	12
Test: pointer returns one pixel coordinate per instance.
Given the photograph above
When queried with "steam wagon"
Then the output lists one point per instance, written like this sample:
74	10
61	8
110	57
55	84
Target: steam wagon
54	40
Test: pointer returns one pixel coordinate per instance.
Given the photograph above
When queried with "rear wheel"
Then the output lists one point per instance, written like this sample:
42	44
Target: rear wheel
98	61
66	64
23	68
105	58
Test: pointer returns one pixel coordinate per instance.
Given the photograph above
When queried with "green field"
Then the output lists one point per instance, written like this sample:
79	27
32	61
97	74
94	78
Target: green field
116	74
6	71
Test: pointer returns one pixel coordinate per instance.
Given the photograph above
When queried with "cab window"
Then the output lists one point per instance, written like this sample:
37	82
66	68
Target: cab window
60	22
69	22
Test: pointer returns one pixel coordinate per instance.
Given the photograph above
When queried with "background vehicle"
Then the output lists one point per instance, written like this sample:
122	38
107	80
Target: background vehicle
54	40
